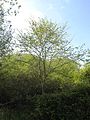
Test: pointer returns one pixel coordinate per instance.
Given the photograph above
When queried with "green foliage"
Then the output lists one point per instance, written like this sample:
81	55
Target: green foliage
7	8
65	106
85	74
51	45
65	70
5	33
42	84
22	69
17	79
20	92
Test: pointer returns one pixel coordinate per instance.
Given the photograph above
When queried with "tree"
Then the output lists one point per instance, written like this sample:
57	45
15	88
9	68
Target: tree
85	74
6	26
6	33
48	42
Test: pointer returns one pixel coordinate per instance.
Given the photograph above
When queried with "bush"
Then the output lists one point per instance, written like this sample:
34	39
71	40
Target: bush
65	106
70	106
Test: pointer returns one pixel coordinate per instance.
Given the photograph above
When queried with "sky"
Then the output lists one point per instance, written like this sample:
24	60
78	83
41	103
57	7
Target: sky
76	13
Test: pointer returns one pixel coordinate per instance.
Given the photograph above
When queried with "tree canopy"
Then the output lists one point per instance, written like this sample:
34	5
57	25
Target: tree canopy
49	42
6	32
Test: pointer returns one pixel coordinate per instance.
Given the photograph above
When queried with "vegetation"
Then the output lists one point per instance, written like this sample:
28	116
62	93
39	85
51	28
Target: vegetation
44	80
49	43
6	32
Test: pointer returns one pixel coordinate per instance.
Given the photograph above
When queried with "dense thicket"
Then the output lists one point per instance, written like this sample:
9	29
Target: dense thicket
64	98
65	106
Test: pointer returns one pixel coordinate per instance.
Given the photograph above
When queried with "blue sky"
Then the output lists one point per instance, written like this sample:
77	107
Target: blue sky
75	12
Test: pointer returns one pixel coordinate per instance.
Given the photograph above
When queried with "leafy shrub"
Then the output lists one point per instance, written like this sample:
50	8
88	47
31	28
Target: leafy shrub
65	106
70	106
